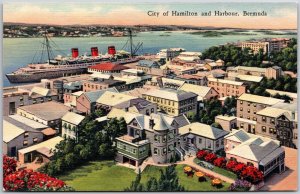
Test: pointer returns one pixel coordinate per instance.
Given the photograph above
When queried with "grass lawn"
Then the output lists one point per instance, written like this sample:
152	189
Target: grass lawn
221	171
106	176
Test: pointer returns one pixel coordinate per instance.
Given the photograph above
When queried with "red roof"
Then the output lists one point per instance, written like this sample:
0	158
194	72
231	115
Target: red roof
108	67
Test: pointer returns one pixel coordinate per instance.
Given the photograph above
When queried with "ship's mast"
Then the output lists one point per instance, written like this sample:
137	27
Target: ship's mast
47	46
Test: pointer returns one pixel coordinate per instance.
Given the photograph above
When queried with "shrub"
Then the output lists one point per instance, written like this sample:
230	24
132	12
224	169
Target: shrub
220	162
210	157
27	180
238	168
201	154
252	174
231	164
240	185
9	165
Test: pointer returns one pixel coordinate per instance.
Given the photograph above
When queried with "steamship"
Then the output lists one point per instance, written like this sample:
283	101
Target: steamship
61	66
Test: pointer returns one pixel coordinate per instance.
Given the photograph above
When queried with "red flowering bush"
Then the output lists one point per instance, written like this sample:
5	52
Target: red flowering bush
220	162
238	168
9	165
231	164
210	157
201	154
252	174
27	180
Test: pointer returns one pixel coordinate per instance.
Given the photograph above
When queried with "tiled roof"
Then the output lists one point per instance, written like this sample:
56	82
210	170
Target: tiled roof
108	67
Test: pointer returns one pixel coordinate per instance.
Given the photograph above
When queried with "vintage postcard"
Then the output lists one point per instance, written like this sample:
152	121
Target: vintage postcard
102	96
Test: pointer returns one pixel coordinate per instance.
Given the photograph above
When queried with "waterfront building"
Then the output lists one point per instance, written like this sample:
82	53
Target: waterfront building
106	67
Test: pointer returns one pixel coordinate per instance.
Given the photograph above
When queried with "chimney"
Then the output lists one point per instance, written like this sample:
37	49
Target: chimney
94	51
75	52
111	50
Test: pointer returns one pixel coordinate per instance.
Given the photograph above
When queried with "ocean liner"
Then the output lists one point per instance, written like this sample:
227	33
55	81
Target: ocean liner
61	66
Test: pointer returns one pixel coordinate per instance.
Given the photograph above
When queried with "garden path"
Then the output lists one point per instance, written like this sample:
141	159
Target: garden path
188	160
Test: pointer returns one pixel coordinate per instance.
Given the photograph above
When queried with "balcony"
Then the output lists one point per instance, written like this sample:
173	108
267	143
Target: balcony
135	140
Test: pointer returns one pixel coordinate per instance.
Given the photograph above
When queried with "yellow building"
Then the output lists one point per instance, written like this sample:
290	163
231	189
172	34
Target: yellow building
173	102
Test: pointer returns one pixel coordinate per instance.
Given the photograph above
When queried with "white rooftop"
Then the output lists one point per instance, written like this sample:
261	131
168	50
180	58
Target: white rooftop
29	122
10	131
259	99
203	130
48	144
225	81
73	118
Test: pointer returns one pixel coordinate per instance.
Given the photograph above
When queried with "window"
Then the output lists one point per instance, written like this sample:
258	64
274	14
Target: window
241	109
25	143
26	134
254	105
263	128
264	119
156	138
249	103
248	110
241	102
164	151
217	144
164	138
273	121
155	151
200	140
254	119
152	110
271	130
35	140
242	125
